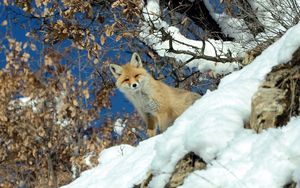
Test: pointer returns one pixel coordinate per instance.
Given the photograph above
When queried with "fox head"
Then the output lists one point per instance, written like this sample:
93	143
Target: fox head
132	76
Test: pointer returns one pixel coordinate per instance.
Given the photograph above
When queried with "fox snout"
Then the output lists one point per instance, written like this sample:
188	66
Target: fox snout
135	85
132	85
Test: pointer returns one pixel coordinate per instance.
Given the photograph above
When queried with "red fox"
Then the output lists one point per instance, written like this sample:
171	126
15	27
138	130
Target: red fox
157	103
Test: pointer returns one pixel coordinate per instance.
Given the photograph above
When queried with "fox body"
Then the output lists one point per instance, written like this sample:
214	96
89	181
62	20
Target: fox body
157	103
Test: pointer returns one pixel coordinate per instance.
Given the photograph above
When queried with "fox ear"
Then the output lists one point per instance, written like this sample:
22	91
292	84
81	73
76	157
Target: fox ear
136	60
116	70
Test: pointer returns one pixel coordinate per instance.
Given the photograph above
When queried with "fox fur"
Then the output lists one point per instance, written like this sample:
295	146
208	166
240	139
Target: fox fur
157	103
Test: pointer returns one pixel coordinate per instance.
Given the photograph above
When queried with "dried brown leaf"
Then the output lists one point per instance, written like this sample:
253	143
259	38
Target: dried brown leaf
75	102
119	37
102	39
38	3
33	47
86	93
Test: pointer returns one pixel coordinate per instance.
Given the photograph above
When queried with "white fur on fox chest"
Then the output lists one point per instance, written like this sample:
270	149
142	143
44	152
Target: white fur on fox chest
143	102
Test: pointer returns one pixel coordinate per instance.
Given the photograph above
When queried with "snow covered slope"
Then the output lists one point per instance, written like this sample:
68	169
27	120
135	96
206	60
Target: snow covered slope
213	129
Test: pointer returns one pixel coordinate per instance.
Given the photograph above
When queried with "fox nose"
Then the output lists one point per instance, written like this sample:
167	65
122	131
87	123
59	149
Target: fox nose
134	85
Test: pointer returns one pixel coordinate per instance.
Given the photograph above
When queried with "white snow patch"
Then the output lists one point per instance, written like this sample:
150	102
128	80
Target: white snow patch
119	126
119	166
24	102
253	160
296	175
74	170
230	26
87	159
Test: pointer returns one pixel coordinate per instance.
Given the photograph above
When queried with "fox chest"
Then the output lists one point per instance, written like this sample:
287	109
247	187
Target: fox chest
144	102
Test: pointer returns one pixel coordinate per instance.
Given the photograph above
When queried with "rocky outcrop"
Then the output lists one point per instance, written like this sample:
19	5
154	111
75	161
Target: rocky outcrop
291	185
277	99
184	167
189	163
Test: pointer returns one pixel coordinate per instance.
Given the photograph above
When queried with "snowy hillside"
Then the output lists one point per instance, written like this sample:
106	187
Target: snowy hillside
213	129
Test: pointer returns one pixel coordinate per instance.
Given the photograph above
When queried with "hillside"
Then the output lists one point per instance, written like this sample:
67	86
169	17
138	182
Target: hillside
214	130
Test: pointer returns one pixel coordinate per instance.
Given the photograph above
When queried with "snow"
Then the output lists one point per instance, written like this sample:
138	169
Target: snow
113	170
275	15
152	9
296	175
220	115
213	129
212	48
87	159
37	103
24	102
229	25
253	160
119	126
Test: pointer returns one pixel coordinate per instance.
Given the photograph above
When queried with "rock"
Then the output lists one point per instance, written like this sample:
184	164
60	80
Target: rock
278	98
189	163
291	185
146	182
268	105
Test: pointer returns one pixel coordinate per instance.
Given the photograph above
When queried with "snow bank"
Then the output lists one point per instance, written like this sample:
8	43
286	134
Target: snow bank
213	129
212	48
219	116
253	160
119	166
229	25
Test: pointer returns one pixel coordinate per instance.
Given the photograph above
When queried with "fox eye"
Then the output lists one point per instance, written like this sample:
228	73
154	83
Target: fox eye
137	75
126	80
